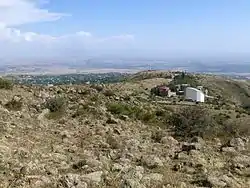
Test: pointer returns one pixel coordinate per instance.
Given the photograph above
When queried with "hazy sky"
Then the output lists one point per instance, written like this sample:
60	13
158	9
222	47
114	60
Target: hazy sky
78	28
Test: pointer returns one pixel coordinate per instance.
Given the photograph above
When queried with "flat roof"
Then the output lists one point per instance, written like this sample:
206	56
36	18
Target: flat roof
195	89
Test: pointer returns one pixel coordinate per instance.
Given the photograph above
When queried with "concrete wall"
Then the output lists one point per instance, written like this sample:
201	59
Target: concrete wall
194	94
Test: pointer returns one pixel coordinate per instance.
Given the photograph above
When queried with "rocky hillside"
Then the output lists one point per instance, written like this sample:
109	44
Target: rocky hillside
118	135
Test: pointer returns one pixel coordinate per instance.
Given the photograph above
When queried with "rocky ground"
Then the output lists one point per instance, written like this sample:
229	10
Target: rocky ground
87	146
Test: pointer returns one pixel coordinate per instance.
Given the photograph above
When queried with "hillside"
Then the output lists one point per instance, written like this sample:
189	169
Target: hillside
119	135
234	91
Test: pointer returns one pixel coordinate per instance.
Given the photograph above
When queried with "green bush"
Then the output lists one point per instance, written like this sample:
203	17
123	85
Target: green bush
56	104
122	109
184	79
144	114
134	112
5	84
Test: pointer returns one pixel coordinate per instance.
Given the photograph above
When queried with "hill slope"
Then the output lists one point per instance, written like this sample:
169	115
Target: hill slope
117	135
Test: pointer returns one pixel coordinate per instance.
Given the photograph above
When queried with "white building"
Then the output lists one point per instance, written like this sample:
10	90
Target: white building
194	94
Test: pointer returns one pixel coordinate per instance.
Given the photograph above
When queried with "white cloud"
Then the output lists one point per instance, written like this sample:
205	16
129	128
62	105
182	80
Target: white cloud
18	12
14	42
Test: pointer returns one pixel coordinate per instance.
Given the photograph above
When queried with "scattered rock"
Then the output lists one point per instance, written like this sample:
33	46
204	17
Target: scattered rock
182	156
94	177
189	170
238	144
93	163
51	170
241	161
114	142
111	120
72	181
169	140
229	150
191	146
152	179
197	139
117	98
151	161
216	181
131	183
44	113
124	117
117	167
231	181
17	98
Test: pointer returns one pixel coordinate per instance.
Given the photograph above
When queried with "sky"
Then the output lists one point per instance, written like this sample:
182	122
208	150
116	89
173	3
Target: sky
142	28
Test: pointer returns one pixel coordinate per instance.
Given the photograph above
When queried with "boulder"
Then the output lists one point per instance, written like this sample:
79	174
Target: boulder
191	146
215	181
124	117
44	113
131	183
94	177
198	139
111	120
72	181
238	144
151	161
230	150
169	140
241	161
152	179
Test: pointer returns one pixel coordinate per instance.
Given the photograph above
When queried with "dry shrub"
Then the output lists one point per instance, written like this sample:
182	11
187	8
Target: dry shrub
192	121
15	105
98	88
235	128
197	121
132	111
57	107
55	104
108	93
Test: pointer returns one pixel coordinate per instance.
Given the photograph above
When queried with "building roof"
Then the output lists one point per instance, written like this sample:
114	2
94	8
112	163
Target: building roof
194	89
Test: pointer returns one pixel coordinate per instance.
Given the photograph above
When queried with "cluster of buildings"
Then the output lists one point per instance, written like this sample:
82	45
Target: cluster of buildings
190	93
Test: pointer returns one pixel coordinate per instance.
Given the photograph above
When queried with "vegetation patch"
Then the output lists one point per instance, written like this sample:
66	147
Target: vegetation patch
98	88
143	114
15	105
85	109
108	93
57	107
5	84
192	121
183	79
198	121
